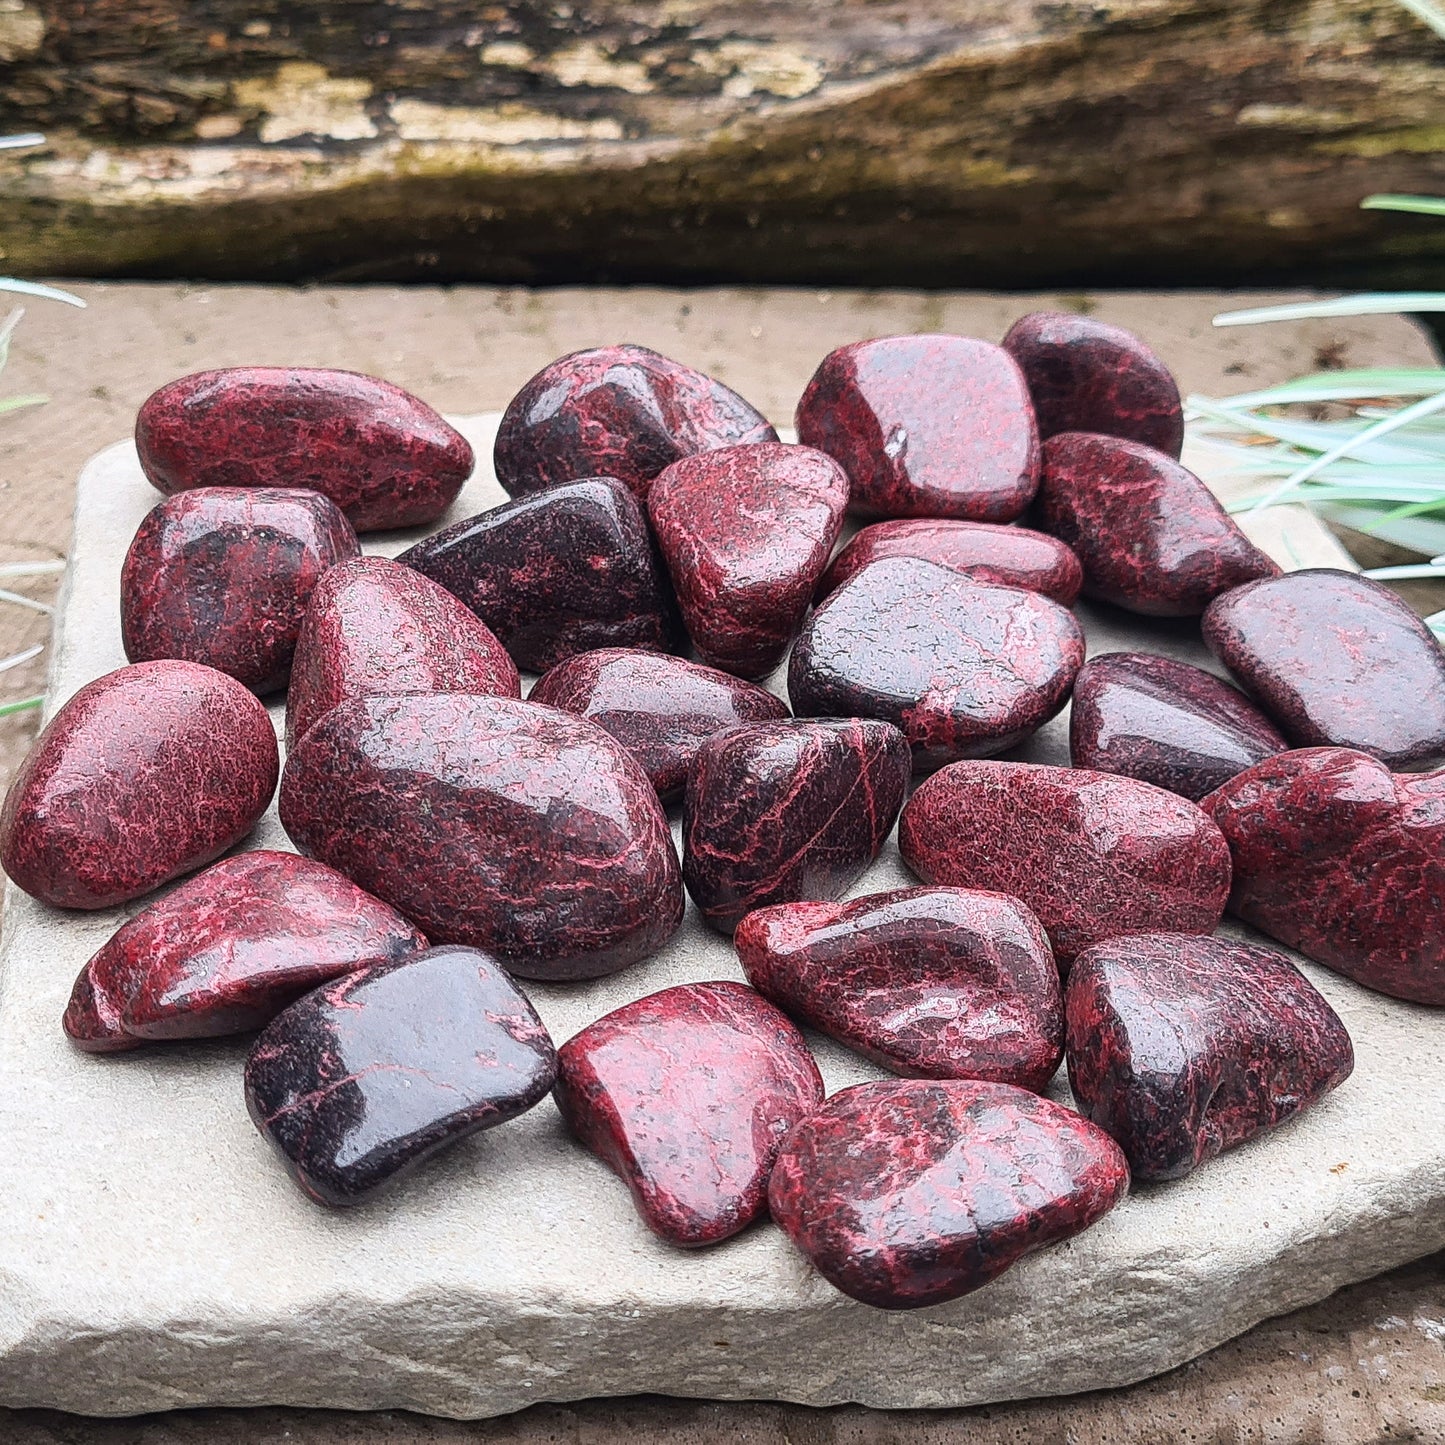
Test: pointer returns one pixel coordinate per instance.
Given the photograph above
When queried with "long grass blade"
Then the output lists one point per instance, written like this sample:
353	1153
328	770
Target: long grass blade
9	709
20	600
1429	12
30	569
1370	303
34	288
1410	205
15	659
21	142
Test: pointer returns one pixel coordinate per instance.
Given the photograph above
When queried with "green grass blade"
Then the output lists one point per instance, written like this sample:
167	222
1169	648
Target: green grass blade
9	709
1371	303
1344	386
17	403
1410	205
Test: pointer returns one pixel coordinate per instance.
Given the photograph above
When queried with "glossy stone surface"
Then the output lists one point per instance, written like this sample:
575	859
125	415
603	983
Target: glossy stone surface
1093	855
366	1077
1165	722
1340	858
376	628
909	1192
227	950
617	411
660	708
1180	1047
936	983
964	668
1336	659
746	532
511	827
1152	537
569	570
782	811
146	773
686	1096
383	456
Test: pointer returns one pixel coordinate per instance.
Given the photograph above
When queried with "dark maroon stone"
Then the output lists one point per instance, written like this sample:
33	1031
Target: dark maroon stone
746	533
660	708
617	411
384	457
909	1192
964	668
938	983
366	1077
146	773
1152	537
1093	855
926	426
1337	660
686	1096
511	827
1340	858
783	811
1166	723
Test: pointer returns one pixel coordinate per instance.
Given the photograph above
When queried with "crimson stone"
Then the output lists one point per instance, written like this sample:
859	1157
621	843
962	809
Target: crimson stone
146	773
909	1192
511	827
384	457
686	1096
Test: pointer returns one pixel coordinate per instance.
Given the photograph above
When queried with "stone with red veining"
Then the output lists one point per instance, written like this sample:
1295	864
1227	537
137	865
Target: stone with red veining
687	1095
1093	855
910	1192
383	456
366	1077
1181	1047
936	983
660	708
1340	858
500	824
926	426
145	774
1337	660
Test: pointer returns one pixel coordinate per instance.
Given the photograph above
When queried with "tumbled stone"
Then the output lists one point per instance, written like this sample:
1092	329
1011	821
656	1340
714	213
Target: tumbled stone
964	668
746	533
1165	722
909	1192
686	1096
1091	854
511	827
926	426
383	456
1336	660
146	773
660	708
1152	537
617	411
937	983
366	1077
781	811
1340	858
1181	1047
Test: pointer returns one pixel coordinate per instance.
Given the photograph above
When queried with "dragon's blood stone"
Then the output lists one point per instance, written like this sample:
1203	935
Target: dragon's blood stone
1180	1047
1166	723
376	628
964	668
367	1076
617	411
146	773
660	708
222	575
1340	858
384	457
926	426
910	1192
511	827
1337	660
937	983
1091	854
1152	537
686	1095
571	569
228	949
781	811
1086	375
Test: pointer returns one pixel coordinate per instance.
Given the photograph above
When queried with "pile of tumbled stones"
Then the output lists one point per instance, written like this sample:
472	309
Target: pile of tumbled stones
454	839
